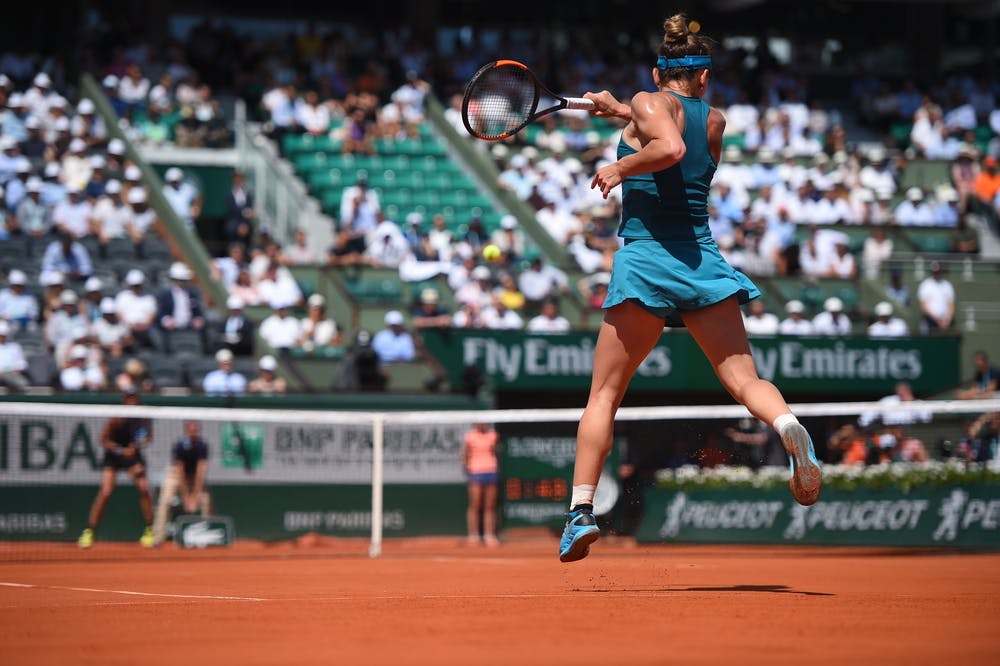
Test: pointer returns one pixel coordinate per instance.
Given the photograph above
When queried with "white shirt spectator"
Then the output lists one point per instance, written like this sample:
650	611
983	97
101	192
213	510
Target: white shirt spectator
110	217
220	382
281	331
182	199
792	326
843	265
914	213
78	377
765	323
132	91
829	323
11	358
133	308
313	118
540	282
936	296
892	327
813	261
500	319
279	288
278	102
544	324
15	306
74	216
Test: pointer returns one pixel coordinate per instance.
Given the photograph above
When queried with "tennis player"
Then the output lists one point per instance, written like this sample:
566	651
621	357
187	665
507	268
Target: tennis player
670	270
123	440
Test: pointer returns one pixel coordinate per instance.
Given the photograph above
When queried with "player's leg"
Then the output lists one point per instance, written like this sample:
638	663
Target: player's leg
138	474
167	492
490	514
718	330
104	492
472	512
627	335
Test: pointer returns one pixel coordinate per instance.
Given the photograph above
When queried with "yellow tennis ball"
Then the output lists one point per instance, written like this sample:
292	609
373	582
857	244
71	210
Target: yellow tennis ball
491	252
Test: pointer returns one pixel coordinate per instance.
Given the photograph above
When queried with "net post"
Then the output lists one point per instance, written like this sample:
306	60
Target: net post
378	434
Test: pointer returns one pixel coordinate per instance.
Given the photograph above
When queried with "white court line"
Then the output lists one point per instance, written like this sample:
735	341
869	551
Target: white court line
133	592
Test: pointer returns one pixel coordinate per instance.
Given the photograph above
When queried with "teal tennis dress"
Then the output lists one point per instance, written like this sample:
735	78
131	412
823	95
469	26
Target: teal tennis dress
670	263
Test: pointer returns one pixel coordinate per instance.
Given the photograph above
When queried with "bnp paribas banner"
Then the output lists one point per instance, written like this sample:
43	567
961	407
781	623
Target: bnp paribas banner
67	450
518	360
935	516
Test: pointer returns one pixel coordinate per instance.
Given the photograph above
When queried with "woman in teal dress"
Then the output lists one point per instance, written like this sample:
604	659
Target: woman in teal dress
670	270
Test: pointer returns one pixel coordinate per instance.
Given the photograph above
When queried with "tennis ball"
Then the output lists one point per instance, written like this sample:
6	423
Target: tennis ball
491	252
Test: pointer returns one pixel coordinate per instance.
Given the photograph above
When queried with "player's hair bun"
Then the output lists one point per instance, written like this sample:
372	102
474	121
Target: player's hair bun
675	29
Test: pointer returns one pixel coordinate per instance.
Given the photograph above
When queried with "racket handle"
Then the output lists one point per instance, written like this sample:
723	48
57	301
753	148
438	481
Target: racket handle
579	103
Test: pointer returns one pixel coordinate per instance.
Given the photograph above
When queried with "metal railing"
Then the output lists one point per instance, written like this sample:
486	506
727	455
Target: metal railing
281	200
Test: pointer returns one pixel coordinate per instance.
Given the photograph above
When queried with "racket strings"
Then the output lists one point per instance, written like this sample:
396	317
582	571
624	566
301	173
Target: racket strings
500	101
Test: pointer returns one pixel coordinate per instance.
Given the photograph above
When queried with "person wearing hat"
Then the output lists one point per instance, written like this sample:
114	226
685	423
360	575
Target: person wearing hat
142	216
183	196
832	321
87	124
115	167
32	216
18	306
123	439
40	96
936	296
517	177
317	330
267	381
427	311
224	380
885	325
842	262
65	325
81	372
914	211
14	189
34	145
509	238
52	188
179	305
477	290
75	165
394	343
12	362
137	308
795	323
108	331
541	281
67	256
876	174
280	330
358	205
110	215
73	215
92	296
236	331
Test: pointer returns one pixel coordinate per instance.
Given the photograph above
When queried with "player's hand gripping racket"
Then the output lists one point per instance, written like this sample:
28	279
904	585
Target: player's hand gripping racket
503	97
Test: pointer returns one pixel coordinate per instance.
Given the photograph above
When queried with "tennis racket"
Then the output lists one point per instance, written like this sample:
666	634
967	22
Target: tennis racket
503	97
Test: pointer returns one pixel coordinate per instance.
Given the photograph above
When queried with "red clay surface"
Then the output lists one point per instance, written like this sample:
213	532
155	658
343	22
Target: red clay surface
436	602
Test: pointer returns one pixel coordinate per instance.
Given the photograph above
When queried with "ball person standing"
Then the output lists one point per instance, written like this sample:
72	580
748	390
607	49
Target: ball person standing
670	270
479	458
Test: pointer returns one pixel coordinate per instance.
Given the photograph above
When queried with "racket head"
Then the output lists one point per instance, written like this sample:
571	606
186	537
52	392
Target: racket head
500	99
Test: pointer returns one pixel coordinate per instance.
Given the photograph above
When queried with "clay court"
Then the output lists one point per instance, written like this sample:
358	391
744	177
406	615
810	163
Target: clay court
436	602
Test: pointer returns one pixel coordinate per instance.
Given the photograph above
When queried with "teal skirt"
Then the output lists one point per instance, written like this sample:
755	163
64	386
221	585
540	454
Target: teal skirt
667	277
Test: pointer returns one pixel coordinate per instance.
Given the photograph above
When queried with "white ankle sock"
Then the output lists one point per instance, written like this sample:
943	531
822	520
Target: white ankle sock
582	494
784	420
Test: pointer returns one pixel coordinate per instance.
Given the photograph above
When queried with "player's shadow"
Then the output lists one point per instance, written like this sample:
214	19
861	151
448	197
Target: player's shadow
773	589
776	589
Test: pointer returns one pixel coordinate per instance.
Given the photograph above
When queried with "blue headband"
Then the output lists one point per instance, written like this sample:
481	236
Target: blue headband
687	62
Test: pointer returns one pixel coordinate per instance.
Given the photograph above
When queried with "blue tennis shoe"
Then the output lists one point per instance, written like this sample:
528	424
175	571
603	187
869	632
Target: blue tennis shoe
581	531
